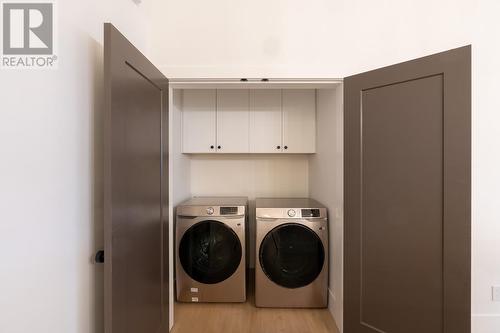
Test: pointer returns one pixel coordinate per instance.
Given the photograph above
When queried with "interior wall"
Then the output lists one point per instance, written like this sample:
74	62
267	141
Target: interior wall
326	181
253	176
51	193
337	38
179	185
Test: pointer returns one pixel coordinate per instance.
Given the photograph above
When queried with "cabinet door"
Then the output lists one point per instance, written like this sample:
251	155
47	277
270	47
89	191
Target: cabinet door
232	121
299	121
198	120
265	121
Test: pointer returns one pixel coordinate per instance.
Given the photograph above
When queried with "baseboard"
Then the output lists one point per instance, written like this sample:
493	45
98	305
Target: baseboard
485	323
332	303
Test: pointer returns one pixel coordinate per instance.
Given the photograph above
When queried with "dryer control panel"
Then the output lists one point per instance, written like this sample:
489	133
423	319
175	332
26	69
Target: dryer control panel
310	212
291	213
228	210
289	208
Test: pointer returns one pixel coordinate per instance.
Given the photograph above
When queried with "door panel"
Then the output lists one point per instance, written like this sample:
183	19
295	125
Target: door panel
299	120
265	121
407	197
403	166
198	120
136	212
232	121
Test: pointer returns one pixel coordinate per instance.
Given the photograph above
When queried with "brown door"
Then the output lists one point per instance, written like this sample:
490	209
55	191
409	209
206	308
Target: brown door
136	189
407	197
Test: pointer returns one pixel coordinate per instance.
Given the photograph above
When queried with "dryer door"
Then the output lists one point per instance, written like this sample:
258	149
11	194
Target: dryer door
210	252
292	255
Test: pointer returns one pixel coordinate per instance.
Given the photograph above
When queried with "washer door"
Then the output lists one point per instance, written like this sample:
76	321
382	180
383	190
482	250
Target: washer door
210	252
292	255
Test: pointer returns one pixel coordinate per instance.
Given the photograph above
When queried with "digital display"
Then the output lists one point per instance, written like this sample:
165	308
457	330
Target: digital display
310	212
228	210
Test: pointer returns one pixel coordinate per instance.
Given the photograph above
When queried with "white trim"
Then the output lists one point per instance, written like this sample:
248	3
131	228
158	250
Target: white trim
253	83
486	323
331	302
171	291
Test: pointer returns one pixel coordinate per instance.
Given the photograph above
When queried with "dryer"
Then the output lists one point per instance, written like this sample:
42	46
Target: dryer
292	253
210	249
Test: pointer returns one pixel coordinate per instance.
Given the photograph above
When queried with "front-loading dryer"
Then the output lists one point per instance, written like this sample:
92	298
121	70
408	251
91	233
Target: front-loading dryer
210	249
292	253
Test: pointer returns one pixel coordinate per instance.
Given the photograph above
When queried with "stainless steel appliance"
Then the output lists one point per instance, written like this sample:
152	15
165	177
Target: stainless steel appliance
210	243
292	253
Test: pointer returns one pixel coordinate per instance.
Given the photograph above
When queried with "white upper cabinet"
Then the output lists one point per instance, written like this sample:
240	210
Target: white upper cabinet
265	121
199	120
299	121
232	121
249	121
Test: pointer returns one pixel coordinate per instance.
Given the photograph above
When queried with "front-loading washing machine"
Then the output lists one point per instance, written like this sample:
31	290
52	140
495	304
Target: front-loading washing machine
292	253
210	249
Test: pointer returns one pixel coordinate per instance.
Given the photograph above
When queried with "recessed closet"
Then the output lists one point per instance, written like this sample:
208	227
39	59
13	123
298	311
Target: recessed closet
279	138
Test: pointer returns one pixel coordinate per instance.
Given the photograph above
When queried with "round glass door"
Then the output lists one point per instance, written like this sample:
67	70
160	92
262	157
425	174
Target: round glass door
210	252
292	255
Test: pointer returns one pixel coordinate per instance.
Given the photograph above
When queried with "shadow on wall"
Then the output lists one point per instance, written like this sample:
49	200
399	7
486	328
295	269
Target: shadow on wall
96	51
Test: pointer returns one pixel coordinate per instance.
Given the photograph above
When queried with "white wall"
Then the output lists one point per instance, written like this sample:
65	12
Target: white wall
335	38
51	131
179	173
252	176
51	175
326	184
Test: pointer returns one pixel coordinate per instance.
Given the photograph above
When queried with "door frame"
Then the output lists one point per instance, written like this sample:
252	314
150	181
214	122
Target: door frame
455	67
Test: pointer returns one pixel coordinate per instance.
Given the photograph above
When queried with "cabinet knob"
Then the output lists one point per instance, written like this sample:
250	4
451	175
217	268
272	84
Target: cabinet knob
286	147
212	147
278	147
219	147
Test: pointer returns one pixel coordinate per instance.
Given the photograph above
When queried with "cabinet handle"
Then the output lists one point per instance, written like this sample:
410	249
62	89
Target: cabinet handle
219	147
286	147
278	147
211	147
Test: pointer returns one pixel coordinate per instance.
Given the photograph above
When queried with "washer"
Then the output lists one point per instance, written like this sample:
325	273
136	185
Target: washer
292	253
210	246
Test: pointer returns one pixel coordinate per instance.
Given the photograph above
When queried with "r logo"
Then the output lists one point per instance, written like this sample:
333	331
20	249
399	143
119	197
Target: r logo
27	28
